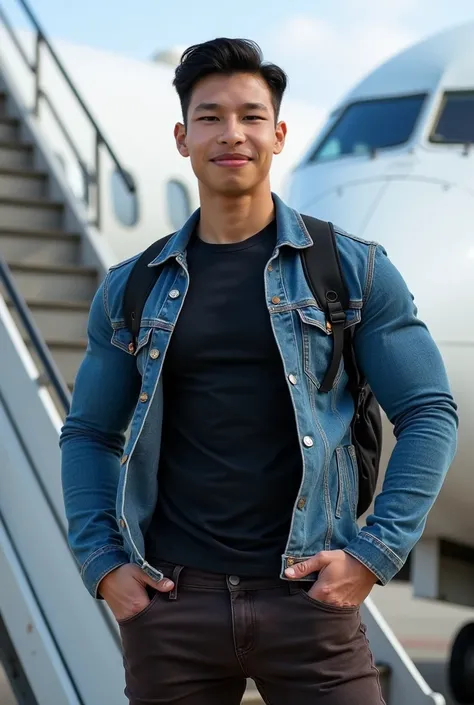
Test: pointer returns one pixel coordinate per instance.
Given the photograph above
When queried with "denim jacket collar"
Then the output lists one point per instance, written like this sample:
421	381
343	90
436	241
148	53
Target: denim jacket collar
290	231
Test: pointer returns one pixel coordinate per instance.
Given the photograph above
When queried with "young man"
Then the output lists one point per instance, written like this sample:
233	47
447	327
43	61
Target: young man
223	533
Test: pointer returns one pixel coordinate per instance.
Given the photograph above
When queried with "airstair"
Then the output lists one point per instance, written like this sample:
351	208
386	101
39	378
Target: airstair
59	646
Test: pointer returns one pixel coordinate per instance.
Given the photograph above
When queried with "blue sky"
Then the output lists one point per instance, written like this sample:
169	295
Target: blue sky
324	47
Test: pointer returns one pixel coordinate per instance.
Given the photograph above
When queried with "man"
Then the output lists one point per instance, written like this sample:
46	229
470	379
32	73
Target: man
222	533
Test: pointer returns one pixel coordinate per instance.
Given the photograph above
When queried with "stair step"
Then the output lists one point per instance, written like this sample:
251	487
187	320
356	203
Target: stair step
22	183
16	154
30	213
68	317
67	354
39	246
55	282
9	129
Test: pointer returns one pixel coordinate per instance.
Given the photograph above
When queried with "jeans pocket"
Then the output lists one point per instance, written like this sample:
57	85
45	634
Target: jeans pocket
326	606
138	615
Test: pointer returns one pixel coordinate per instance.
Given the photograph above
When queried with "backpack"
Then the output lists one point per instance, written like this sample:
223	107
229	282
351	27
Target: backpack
323	273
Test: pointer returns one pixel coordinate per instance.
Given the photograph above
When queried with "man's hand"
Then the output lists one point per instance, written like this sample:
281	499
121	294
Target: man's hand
343	581
124	590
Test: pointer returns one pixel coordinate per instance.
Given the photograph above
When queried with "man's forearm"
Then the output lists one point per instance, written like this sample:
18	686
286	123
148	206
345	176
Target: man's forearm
90	473
425	447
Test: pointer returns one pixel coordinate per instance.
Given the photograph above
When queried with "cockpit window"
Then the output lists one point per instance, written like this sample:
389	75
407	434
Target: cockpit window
370	125
455	122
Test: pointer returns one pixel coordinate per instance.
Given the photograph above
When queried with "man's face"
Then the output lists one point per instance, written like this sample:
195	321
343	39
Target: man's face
231	135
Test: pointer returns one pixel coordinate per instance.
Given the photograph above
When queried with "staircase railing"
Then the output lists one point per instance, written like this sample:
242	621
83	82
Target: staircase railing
90	179
50	368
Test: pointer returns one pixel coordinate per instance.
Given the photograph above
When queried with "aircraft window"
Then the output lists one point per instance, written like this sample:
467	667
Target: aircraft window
455	123
179	203
370	125
125	203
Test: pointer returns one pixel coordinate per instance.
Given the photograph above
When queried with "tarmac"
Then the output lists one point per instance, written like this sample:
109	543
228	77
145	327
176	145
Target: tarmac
425	628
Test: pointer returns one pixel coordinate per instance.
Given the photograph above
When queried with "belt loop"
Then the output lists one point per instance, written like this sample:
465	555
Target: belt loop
293	587
173	594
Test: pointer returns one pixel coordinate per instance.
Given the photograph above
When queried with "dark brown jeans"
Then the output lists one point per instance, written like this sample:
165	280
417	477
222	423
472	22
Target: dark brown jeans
199	643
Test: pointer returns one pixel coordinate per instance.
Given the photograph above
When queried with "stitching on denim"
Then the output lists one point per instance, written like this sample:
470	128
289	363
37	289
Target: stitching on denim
372	663
145	323
327	459
370	274
98	552
344	233
105	297
236	650
383	546
122	264
354	305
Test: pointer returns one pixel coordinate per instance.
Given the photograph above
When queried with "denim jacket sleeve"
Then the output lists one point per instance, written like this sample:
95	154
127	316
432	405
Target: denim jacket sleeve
92	439
404	368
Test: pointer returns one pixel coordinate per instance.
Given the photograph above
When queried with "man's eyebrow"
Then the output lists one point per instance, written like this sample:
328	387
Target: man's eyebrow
215	106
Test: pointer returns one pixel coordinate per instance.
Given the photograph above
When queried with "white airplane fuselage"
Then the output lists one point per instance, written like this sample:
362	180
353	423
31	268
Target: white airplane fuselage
417	200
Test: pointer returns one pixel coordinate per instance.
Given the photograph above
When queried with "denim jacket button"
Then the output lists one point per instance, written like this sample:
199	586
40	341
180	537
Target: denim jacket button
154	354
301	503
292	379
275	300
143	397
122	523
308	441
124	459
174	293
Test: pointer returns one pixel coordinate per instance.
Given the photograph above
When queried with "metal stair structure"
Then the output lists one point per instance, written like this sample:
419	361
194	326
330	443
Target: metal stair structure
43	258
59	646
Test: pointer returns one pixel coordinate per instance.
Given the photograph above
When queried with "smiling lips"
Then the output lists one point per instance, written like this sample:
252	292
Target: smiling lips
231	160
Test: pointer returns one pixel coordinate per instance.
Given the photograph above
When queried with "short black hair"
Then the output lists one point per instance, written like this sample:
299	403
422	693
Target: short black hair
226	56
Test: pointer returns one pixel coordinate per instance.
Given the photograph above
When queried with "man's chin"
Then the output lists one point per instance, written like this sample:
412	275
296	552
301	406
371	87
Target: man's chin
233	187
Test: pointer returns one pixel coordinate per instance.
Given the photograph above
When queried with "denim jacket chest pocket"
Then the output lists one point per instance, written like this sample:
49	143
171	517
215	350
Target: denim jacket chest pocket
122	338
317	341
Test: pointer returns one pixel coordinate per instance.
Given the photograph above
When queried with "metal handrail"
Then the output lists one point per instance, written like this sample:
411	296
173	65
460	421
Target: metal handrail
35	336
100	140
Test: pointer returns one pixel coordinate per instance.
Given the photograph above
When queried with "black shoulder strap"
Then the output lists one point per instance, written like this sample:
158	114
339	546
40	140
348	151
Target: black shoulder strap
323	272
140	282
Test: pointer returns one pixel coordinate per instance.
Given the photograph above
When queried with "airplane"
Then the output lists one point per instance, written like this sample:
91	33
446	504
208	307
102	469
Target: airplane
136	107
394	163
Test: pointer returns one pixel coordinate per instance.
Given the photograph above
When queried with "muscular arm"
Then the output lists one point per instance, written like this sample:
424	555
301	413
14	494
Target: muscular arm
406	373
92	439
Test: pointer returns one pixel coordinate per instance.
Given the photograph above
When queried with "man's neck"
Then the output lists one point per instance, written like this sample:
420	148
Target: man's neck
228	219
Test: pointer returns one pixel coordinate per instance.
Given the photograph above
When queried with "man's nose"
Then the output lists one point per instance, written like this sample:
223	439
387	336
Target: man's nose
232	133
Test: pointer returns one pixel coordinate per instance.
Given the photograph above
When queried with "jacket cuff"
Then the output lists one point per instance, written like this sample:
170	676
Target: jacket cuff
375	555
99	564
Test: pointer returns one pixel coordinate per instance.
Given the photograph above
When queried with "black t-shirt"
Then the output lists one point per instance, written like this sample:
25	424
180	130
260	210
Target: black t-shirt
230	464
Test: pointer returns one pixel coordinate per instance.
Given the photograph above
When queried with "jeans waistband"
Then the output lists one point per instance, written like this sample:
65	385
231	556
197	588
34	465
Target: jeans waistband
221	581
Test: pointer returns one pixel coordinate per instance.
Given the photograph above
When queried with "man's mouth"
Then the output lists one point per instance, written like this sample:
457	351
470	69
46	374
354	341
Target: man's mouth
231	160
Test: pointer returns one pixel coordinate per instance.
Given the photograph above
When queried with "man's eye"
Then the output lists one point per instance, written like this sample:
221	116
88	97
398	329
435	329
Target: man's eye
253	117
208	117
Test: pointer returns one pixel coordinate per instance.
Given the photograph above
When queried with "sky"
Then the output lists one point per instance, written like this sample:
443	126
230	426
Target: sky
324	47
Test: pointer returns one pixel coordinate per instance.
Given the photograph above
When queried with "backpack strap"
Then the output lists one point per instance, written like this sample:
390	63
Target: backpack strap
322	268
140	282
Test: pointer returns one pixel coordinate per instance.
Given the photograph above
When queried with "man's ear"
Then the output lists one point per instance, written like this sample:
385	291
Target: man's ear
280	136
180	137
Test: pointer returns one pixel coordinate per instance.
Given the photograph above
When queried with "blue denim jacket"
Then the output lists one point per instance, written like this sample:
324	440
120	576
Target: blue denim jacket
111	438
